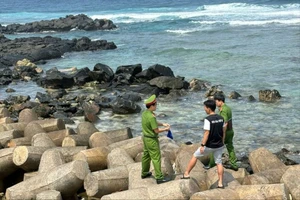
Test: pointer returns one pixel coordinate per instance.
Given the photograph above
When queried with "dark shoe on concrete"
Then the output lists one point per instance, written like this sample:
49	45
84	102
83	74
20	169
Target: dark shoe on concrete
206	167
159	181
147	175
231	167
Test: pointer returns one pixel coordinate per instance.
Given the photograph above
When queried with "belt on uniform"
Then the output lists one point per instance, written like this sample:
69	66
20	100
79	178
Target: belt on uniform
149	136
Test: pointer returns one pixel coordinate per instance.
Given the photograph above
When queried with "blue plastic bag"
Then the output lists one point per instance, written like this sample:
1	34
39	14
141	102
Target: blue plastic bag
170	135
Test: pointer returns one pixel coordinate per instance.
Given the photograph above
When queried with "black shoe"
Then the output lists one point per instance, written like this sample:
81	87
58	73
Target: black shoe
159	181
231	167
206	167
147	175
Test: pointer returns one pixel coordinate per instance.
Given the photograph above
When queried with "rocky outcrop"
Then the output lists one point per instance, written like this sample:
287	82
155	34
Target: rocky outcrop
37	48
269	95
70	22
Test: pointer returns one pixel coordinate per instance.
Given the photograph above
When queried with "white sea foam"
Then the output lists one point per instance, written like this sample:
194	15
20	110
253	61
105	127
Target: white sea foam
231	12
251	22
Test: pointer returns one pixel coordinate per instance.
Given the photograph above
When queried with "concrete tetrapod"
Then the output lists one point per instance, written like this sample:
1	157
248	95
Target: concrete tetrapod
50	125
118	157
76	140
183	157
42	140
107	181
99	139
6	120
33	128
7	165
95	157
49	194
6	136
22	141
66	179
58	136
50	159
13	126
132	146
262	159
177	189
269	176
119	134
291	178
27	115
268	191
28	157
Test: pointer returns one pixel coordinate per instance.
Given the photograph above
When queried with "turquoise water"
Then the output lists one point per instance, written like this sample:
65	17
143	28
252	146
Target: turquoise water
243	46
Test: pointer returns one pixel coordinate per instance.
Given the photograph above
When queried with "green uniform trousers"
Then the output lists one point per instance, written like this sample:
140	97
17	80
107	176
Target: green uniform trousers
230	149
151	152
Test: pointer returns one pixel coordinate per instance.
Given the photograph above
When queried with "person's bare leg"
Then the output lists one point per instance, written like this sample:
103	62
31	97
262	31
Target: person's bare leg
220	174
190	166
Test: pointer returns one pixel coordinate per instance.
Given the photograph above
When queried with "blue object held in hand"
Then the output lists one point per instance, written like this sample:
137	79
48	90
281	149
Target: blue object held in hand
169	135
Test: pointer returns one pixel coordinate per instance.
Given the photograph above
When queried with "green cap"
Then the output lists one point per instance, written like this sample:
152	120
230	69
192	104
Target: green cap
151	100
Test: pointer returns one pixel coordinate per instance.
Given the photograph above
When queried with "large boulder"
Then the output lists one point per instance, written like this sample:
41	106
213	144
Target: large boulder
153	72
269	95
102	72
166	82
124	106
55	79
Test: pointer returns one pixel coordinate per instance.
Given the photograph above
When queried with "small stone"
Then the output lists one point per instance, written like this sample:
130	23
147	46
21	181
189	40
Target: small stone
8	90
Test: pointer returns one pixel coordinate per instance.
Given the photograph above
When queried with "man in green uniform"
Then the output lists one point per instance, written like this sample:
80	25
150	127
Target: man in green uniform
151	143
225	112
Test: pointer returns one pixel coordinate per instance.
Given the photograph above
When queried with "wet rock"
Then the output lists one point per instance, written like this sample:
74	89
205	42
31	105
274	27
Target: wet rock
90	111
82	76
131	96
64	117
161	70
5	81
43	110
43	98
197	85
269	95
129	69
124	106
57	94
81	22
102	72
213	90
56	79
166	82
251	98
17	99
234	95
153	72
9	90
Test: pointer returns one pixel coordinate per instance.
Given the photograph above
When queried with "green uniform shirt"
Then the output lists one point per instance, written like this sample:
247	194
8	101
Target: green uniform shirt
149	123
227	115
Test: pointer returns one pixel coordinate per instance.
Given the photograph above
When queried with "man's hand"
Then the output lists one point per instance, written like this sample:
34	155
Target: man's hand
202	149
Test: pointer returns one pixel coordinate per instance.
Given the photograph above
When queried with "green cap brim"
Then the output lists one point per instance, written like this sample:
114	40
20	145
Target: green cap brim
150	99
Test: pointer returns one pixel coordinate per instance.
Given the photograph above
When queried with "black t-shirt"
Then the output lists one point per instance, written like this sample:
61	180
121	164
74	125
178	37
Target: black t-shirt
215	127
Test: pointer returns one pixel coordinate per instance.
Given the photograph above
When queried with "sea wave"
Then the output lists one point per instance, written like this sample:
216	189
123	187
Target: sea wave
231	12
250	22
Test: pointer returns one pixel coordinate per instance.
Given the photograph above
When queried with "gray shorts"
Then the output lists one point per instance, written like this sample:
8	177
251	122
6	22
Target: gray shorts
216	151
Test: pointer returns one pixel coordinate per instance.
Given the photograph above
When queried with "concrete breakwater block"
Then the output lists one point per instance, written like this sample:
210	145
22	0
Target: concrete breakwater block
66	179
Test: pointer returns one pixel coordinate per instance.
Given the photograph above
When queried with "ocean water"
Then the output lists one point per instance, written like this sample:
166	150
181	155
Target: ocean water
243	46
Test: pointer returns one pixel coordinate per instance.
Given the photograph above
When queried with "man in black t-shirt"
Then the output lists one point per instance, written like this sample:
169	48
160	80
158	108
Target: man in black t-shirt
212	141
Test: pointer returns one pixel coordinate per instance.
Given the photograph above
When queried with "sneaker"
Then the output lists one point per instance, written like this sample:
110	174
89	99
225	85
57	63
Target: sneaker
147	175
